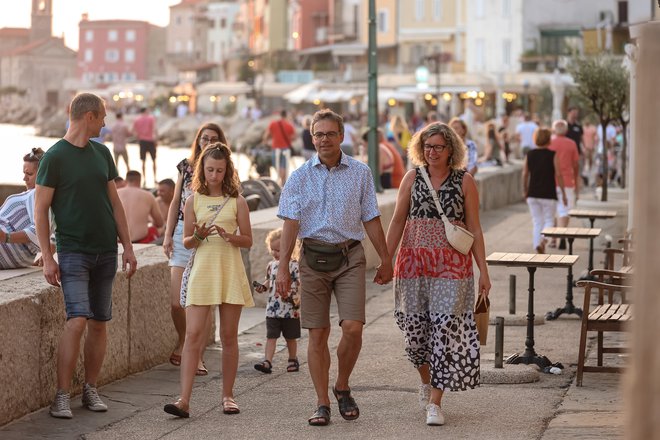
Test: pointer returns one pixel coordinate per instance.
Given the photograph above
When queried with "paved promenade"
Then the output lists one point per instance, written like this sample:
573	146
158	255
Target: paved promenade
276	406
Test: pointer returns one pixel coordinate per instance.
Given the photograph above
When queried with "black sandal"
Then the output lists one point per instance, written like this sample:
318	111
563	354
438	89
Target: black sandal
321	417
293	366
267	369
346	404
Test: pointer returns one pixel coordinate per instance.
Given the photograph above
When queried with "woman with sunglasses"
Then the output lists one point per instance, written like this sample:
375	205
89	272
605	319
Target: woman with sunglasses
433	282
178	255
18	237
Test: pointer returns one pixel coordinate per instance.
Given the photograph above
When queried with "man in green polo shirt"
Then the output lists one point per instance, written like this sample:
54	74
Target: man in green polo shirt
76	180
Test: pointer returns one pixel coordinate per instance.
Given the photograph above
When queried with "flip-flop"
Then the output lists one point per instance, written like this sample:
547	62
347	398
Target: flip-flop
229	406
175	359
321	416
176	409
346	404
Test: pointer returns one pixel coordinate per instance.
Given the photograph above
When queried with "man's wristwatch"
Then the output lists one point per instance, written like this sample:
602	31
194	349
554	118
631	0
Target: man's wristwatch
7	240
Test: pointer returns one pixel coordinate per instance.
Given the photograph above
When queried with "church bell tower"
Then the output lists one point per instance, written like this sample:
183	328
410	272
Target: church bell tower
42	19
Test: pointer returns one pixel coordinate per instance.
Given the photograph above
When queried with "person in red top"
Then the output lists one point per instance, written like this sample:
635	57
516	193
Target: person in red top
144	128
569	168
282	133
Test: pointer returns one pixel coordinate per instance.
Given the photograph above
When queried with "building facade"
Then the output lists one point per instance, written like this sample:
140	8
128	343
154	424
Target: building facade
114	50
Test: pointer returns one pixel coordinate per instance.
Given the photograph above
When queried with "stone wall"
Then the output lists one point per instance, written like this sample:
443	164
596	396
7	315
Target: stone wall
140	335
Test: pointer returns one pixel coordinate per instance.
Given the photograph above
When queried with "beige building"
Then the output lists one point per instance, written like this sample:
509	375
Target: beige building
431	30
38	65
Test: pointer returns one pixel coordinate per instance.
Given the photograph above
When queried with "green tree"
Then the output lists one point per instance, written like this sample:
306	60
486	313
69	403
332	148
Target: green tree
603	83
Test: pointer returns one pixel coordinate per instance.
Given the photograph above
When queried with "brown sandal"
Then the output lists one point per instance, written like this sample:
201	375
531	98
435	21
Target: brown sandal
178	408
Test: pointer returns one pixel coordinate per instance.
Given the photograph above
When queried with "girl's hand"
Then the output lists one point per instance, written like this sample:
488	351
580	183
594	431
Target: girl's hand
202	231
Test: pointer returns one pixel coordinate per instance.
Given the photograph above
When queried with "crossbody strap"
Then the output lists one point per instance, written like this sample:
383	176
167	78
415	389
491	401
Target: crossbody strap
433	193
217	211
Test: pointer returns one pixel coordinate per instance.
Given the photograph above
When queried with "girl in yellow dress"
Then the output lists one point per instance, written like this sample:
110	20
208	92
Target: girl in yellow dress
217	225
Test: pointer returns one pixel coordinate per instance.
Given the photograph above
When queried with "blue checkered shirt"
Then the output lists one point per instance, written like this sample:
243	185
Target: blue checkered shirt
330	204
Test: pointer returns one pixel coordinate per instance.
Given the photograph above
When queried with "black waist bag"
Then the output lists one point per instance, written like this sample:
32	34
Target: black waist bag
326	258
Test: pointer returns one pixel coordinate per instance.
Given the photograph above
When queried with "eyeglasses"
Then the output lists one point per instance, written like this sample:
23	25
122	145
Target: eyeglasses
437	148
320	135
206	139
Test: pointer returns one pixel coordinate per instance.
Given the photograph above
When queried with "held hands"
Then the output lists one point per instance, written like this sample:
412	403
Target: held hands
384	273
565	199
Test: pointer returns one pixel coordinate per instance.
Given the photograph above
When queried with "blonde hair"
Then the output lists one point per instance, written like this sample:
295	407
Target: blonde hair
457	150
276	234
230	184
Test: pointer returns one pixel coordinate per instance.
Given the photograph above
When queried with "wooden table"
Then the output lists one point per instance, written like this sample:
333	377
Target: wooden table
570	234
531	262
592	215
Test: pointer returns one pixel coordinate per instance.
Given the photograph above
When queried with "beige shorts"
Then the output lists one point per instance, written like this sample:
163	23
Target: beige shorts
347	282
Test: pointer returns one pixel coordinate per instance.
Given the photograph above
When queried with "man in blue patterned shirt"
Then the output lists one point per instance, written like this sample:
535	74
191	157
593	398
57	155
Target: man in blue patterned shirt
326	203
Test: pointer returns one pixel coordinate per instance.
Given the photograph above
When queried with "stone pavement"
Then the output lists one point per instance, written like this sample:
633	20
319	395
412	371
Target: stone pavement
385	385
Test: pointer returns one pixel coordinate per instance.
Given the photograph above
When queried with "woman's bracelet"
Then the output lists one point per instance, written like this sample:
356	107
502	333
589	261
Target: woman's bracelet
197	237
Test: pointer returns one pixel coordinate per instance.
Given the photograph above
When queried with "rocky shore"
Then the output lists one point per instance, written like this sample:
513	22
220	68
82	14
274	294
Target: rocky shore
243	134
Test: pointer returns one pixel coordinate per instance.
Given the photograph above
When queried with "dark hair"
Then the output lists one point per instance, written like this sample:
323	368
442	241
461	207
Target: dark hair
34	156
195	149
118	115
133	176
83	103
168	182
283	114
328	114
230	184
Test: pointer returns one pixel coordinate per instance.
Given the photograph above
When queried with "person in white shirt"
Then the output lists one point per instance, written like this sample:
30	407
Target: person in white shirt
525	134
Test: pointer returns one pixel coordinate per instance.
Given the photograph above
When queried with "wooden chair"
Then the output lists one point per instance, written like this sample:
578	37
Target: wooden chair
607	315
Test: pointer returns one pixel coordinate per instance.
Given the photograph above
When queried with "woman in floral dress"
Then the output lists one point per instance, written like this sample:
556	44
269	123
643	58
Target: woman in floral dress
434	284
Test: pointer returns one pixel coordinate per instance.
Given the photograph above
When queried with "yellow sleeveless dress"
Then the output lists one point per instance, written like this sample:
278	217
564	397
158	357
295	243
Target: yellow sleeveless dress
218	274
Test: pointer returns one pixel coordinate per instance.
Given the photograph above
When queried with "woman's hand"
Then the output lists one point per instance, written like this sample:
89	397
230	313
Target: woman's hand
168	246
484	284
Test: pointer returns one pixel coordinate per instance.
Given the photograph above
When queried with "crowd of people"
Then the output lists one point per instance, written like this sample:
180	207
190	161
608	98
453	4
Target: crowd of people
328	207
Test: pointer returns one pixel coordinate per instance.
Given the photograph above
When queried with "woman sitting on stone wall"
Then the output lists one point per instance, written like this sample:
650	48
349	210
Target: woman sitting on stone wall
18	238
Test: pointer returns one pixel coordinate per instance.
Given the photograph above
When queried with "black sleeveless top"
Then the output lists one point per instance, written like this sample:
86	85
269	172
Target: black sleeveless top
541	174
450	194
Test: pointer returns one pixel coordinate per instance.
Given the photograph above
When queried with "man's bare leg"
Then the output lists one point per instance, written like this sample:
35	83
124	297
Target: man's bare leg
95	345
347	354
318	358
68	350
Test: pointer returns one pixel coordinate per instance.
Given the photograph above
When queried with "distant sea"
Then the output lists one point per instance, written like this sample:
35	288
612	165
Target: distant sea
18	140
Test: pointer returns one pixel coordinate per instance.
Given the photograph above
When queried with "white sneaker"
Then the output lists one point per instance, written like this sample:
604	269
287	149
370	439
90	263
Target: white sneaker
434	416
61	406
424	395
91	399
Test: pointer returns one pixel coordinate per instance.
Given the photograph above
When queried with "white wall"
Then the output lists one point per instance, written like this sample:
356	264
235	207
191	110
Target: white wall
221	42
488	26
522	27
